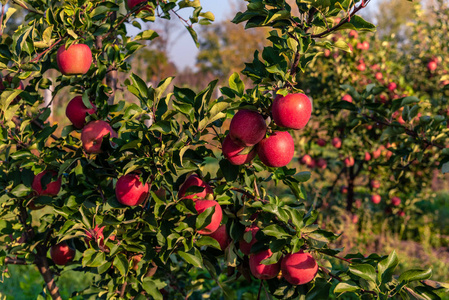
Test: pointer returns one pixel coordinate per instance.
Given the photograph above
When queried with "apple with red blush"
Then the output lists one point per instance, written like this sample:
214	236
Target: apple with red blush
194	180
76	111
62	254
130	190
277	150
376	199
299	268
235	154
247	128
75	60
292	111
93	133
336	142
221	236
260	270
201	206
51	187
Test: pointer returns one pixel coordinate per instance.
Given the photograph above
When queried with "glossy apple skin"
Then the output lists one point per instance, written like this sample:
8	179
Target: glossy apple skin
244	246
52	188
201	206
194	180
62	254
130	191
231	152
392	86
75	60
93	133
396	201
336	142
247	128
221	236
361	67
347	98
432	66
292	111
376	199
76	111
277	150
299	268
367	156
260	270
379	76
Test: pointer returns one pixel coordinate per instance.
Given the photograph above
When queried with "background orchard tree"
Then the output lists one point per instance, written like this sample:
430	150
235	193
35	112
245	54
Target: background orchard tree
129	197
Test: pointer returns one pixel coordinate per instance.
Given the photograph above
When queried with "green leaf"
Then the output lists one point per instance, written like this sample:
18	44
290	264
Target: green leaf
121	264
274	258
415	275
152	288
364	271
146	35
236	84
276	231
386	268
343	287
195	260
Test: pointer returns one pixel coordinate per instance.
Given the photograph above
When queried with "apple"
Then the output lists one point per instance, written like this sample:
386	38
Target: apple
130	191
347	98
96	235
277	150
392	86
132	3
367	156
194	180
327	53
201	206
365	45
260	270
358	203
377	153
360	46
292	111
299	268
344	189
396	201
231	151
355	219
336	142
76	111
321	142
321	163
432	65
61	253
75	60
245	246
306	159
221	236
93	133
51	189
401	213
376	199
349	161
247	128
378	76
361	67
353	34
375	184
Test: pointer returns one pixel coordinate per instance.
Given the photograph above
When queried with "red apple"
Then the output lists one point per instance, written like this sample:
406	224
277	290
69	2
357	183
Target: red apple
353	34
247	128
347	98
93	133
377	153
401	213
367	156
376	199
321	163
336	142
130	191
277	150
392	86
355	219
61	254
245	246
201	206
360	46
292	111
76	111
52	188
365	45
361	67
344	189
327	52
375	184
299	268
432	65
132	3
396	201
96	235
260	270
306	159
221	236
379	76
75	60
321	142
231	151
349	161
194	180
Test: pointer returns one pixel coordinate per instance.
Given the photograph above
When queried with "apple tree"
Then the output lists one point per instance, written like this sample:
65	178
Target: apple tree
137	192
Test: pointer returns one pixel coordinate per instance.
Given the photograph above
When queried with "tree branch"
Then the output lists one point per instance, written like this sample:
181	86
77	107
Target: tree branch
15	261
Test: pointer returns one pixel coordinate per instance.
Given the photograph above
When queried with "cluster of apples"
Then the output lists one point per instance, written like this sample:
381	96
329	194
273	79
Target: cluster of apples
248	129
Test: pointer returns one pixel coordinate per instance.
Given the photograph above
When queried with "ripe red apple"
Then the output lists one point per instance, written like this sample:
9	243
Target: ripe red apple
306	159
377	153
194	180
379	76
392	86
52	188
221	236
93	133
349	161
367	156
321	163
299	268
76	111
260	270
132	3
75	60
355	219
201	206
360	46
361	67
292	111
130	191
432	65
247	128
344	189
376	199
231	151
353	34
401	213
336	142
61	253
396	201
245	246
365	45
277	150
375	184
327	53
321	142
96	235
347	98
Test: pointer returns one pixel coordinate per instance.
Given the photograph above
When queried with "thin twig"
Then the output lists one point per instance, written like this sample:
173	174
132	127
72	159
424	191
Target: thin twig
15	261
